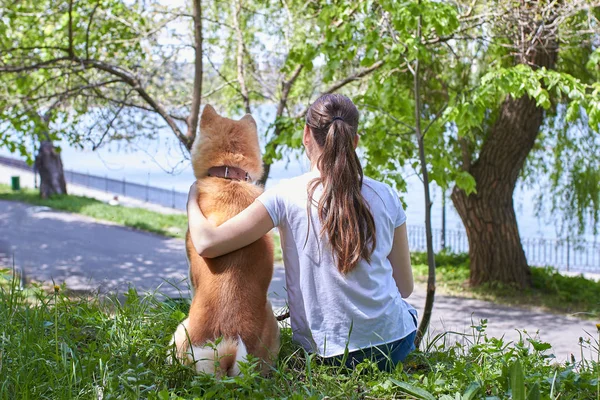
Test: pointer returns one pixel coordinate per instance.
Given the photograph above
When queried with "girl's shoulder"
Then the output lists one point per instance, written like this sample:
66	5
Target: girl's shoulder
294	183
289	188
381	190
383	198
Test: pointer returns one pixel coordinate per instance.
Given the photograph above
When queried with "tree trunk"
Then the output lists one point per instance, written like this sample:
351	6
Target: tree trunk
265	176
495	249
489	217
49	165
430	297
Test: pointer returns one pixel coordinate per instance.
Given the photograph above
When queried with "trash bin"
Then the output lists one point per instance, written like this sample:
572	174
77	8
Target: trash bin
16	182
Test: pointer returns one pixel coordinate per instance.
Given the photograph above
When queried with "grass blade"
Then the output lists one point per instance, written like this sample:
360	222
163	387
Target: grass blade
471	391
414	391
517	381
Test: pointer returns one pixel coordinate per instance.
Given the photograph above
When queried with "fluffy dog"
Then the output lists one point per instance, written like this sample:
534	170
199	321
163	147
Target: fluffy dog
230	316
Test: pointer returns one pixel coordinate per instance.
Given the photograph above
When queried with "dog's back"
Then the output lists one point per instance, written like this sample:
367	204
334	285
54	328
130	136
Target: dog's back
230	315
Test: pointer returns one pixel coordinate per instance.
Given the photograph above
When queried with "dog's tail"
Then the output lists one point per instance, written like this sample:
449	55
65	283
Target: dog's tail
220	359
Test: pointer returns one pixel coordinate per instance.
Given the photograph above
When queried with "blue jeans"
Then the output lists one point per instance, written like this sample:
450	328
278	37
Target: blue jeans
386	355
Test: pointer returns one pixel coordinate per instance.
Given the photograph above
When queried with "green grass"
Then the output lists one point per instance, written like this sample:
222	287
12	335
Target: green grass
550	290
173	225
58	347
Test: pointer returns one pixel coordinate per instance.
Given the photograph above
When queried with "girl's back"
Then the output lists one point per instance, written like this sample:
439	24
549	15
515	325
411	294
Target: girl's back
330	310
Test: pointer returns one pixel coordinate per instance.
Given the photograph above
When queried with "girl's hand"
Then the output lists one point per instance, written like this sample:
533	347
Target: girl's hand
192	195
243	229
195	216
198	226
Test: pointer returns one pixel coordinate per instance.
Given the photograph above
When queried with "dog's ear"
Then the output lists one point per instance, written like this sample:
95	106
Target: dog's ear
248	118
208	115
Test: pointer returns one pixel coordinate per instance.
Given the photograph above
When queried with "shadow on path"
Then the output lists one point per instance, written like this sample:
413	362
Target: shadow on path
87	255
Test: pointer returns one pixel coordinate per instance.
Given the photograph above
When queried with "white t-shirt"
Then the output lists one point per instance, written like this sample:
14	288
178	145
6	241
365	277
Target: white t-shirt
329	310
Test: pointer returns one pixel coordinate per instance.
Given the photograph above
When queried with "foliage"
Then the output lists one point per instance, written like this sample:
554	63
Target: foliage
36	32
55	346
550	289
111	57
99	70
467	73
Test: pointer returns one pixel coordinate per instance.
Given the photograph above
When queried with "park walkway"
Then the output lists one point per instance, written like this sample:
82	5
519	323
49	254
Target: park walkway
89	255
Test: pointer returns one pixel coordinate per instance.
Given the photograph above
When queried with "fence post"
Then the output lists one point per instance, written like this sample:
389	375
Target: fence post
124	190
568	252
173	198
147	192
443	244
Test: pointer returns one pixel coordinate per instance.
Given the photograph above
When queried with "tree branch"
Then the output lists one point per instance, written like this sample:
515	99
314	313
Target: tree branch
437	116
71	50
135	84
241	74
33	67
286	86
87	30
192	122
396	120
109	126
343	82
429	300
67	92
101	96
223	77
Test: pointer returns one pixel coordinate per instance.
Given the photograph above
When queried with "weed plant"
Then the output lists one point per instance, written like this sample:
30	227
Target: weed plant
57	346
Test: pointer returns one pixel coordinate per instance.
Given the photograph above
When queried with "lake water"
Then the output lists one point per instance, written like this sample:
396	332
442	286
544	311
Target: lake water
159	163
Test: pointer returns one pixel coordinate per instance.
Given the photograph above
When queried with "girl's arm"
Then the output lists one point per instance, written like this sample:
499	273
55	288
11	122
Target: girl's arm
400	260
213	241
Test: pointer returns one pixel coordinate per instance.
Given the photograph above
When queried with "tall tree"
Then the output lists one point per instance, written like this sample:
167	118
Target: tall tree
127	64
497	79
270	58
534	81
414	68
117	68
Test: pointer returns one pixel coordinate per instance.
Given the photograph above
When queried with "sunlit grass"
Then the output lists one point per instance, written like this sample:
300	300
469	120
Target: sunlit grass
56	346
173	225
550	290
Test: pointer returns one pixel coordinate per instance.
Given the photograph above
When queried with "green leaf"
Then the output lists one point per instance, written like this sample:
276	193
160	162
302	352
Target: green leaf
539	346
466	182
517	381
534	392
471	391
573	111
414	391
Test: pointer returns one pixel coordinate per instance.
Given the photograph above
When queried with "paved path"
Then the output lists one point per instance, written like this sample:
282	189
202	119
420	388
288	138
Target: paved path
88	254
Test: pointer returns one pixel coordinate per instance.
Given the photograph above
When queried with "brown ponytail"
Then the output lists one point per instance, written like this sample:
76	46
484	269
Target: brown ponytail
344	215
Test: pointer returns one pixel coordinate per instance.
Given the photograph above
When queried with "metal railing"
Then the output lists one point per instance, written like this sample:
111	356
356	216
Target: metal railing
563	254
164	197
150	194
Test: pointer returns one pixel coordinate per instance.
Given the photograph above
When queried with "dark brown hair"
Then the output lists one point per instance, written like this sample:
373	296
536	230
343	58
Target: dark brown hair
345	216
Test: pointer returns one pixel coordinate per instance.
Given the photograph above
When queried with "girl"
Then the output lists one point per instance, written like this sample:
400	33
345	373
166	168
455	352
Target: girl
344	243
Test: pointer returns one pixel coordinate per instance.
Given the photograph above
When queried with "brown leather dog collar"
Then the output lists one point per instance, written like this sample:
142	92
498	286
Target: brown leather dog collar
228	172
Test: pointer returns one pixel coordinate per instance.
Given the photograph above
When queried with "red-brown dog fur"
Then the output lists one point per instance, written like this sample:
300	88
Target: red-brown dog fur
230	292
